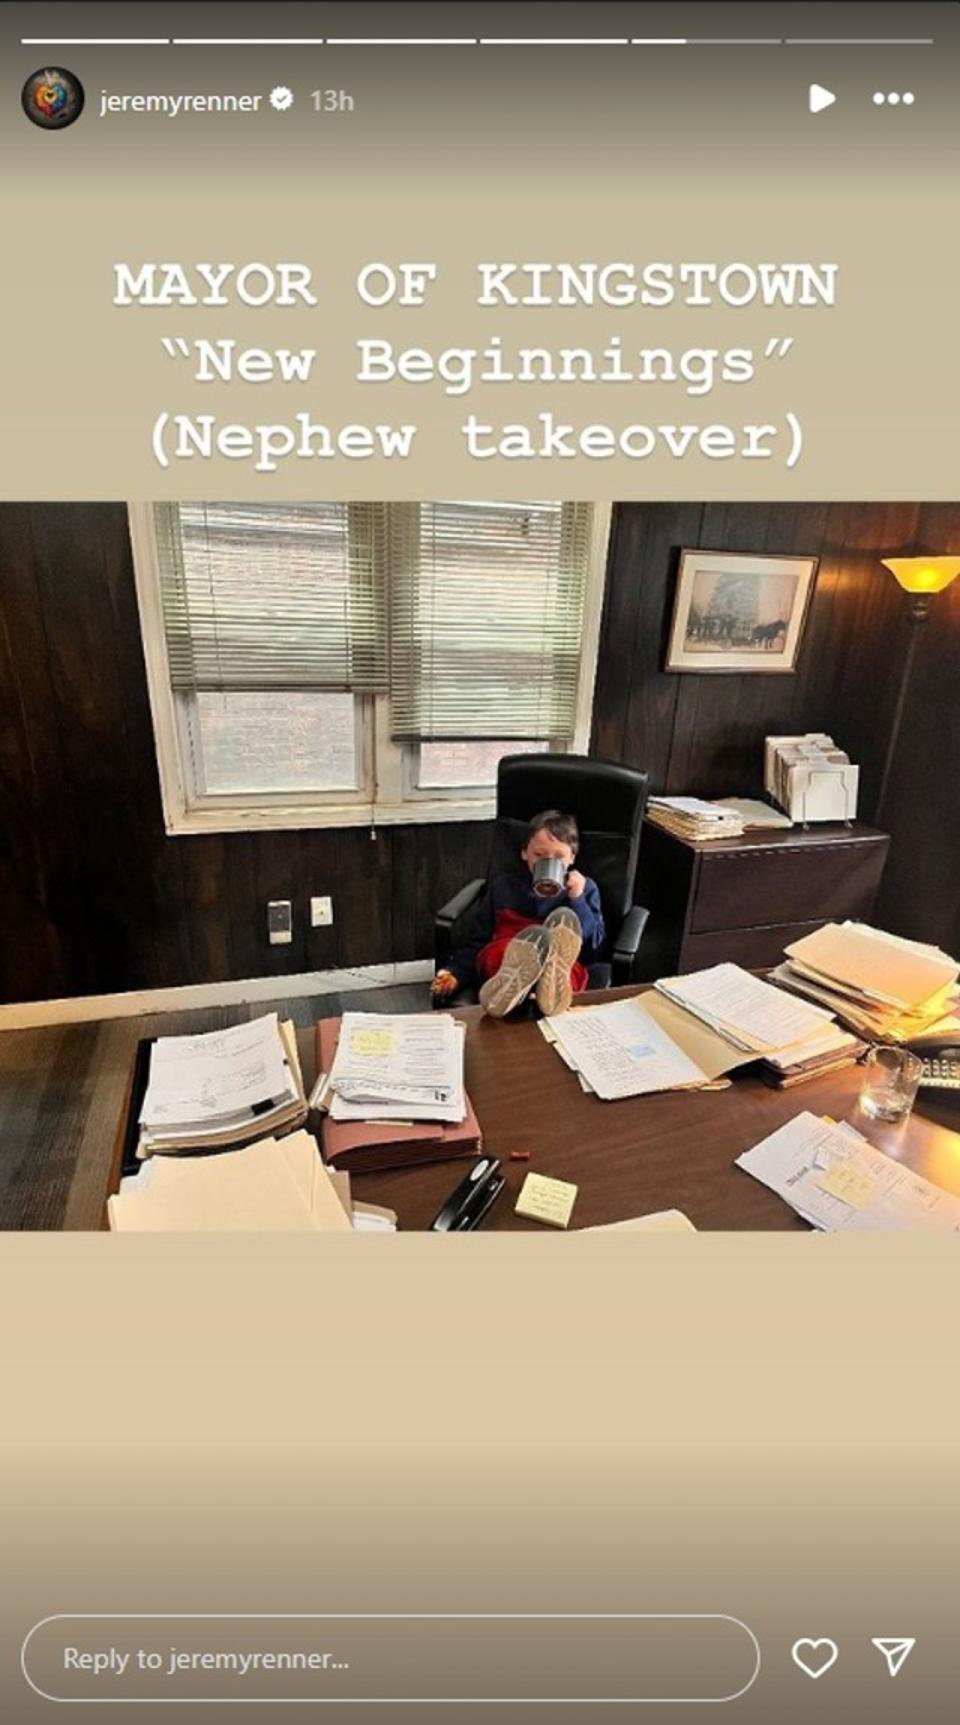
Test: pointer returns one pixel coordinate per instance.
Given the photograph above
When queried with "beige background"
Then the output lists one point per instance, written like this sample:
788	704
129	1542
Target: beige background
455	156
757	1427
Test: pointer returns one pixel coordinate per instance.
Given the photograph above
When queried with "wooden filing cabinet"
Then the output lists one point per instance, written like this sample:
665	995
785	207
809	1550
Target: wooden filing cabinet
745	899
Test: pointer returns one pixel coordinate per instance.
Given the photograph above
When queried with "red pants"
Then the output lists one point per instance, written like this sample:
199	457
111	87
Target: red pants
509	923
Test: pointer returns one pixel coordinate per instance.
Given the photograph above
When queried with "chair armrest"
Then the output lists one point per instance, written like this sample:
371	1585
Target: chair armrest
626	945
461	902
450	914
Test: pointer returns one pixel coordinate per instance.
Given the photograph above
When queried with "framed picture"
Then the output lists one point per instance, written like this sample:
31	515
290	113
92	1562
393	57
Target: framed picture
734	611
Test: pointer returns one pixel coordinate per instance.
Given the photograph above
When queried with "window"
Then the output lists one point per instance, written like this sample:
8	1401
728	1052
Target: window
320	664
288	740
444	766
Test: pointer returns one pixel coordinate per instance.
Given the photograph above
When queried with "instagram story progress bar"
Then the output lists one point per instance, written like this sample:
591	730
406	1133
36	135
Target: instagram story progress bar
69	41
53	95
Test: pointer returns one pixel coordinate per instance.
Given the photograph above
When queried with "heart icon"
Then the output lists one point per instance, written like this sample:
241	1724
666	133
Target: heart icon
815	1657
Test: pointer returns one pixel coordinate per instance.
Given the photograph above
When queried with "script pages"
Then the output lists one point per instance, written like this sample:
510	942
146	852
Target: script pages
835	1179
749	1013
686	1032
620	1050
223	1087
403	1066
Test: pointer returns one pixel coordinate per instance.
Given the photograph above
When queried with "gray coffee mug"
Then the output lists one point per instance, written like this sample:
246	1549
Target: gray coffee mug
549	877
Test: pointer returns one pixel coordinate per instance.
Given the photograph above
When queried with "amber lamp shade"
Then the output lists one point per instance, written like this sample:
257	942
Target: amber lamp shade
922	576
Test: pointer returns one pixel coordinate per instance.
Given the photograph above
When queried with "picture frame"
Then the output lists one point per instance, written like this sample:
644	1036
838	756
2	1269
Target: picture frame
739	612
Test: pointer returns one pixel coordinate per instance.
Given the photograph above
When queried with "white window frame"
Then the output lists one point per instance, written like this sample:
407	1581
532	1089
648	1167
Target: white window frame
389	795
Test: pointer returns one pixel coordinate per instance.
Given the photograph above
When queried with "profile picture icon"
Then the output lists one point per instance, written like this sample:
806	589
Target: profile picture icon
52	98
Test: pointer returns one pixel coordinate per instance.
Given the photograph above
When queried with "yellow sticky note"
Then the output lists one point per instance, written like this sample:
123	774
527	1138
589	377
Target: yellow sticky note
855	1188
546	1200
372	1042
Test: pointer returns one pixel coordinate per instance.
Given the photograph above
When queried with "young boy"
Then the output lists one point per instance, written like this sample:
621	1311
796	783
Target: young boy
521	941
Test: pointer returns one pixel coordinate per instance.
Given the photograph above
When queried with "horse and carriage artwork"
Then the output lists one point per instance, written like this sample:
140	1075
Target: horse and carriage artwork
739	612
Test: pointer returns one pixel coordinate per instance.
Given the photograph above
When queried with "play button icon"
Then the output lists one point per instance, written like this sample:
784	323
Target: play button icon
820	98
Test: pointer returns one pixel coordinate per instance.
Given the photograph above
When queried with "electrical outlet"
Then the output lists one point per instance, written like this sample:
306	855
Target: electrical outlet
280	922
321	912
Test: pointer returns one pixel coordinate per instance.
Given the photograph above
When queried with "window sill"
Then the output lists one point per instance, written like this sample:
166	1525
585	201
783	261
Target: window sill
293	817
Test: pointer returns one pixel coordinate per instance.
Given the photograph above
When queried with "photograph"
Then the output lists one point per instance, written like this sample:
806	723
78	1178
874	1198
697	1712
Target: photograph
339	787
739	612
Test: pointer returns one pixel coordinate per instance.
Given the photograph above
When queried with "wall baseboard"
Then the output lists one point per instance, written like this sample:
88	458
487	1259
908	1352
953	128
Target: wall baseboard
33	1013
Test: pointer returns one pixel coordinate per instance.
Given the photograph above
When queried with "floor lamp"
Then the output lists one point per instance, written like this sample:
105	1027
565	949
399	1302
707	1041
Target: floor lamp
921	577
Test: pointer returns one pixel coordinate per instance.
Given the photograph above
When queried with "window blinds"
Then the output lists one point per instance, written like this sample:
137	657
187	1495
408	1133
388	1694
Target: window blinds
264	597
486	619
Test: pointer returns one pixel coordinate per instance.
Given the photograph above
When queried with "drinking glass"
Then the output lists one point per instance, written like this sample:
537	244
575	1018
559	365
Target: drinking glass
890	1079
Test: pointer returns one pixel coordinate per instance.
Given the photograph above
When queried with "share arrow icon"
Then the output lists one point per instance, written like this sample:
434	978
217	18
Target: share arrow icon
896	1650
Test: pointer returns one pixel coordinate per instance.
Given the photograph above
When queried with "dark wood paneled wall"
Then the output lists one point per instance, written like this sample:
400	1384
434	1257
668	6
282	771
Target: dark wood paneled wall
704	734
96	898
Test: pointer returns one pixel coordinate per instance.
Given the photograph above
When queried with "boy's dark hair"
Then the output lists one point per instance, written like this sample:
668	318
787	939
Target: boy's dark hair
558	825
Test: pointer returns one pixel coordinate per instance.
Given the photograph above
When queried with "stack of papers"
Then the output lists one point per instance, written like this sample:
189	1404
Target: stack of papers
224	1087
835	1179
691	818
687	1032
639	1046
367	1144
828	1052
880	985
756	815
278	1186
398	1066
755	1017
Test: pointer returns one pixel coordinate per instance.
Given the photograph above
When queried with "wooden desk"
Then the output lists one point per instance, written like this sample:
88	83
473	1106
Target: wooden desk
674	1151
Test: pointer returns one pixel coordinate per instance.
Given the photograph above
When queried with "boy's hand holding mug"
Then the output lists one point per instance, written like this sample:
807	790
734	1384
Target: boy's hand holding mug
575	883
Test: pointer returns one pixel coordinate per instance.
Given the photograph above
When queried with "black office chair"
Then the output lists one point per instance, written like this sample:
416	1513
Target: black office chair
608	801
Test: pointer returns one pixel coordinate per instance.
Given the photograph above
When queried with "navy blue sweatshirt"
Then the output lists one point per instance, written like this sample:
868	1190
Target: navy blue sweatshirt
515	893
